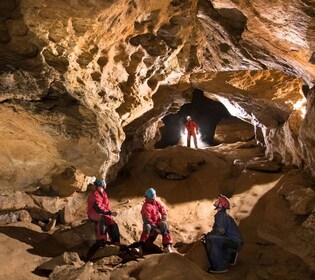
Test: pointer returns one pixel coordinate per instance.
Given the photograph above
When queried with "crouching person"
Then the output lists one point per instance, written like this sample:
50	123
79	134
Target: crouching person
99	212
224	240
154	219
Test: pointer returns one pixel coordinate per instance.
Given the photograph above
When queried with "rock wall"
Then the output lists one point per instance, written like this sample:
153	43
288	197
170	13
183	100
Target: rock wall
80	77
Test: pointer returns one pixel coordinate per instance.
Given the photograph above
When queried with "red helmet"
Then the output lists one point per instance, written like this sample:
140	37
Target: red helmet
222	202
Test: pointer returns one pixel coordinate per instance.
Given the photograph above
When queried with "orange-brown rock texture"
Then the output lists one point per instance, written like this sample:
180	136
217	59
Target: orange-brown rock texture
83	83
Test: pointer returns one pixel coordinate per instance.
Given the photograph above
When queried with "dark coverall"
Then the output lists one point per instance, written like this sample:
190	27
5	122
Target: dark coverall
224	241
192	130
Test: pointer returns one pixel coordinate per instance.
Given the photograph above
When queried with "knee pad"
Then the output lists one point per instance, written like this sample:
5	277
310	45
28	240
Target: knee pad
114	233
147	228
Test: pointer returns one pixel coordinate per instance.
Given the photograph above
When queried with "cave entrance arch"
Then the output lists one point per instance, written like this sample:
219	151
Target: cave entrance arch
204	111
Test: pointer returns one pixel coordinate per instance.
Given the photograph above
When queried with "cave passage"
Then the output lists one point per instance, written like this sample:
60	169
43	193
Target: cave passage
204	111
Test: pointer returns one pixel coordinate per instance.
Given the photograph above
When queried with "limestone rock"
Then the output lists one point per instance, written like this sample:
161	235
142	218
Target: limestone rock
302	201
15	200
172	168
181	268
65	215
263	165
65	272
66	258
53	204
106	252
310	222
109	261
69	181
14	217
233	130
79	78
198	255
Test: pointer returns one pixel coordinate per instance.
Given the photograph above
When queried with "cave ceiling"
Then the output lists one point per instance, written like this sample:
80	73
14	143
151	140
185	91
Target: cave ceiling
80	78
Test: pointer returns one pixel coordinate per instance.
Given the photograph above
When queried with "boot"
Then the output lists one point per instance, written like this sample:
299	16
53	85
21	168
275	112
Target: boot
167	249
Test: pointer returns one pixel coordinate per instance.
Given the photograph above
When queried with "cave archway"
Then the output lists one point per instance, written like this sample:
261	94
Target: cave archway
204	111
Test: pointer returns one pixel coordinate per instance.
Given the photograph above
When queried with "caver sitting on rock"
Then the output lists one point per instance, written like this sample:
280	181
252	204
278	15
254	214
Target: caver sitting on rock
154	221
99	212
224	241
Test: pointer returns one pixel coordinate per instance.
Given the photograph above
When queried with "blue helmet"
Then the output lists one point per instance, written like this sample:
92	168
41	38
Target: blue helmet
150	193
100	183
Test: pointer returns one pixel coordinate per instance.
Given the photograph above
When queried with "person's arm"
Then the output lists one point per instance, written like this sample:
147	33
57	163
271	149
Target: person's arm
196	127
147	215
162	212
186	126
219	225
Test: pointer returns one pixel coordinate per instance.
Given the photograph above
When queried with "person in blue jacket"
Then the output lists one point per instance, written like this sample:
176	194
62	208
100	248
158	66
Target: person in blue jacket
224	240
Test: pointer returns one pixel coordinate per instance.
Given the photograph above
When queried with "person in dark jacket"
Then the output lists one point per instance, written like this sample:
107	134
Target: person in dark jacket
224	240
99	212
154	218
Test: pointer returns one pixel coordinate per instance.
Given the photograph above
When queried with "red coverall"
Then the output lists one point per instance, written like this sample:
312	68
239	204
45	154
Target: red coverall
99	211
154	221
192	129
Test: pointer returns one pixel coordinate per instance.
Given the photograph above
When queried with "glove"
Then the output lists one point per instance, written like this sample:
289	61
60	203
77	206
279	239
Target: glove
202	238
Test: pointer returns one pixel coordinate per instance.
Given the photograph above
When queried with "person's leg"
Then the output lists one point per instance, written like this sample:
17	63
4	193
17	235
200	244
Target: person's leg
113	230
152	237
231	248
188	139
100	221
217	252
166	236
147	238
145	232
195	141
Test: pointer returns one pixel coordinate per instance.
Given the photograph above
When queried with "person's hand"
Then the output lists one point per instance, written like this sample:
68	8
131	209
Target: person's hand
202	238
114	213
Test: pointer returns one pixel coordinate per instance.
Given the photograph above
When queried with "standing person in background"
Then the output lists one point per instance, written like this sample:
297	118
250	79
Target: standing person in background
224	240
154	221
192	129
99	212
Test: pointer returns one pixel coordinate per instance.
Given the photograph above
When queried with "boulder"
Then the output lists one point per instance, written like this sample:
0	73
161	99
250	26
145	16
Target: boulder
106	251
69	181
231	130
67	272
71	258
198	255
14	217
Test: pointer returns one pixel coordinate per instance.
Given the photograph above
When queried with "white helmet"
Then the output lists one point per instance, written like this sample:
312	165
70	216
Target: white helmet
188	118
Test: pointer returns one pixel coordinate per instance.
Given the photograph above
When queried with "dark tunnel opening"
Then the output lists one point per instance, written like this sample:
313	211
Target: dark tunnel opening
204	111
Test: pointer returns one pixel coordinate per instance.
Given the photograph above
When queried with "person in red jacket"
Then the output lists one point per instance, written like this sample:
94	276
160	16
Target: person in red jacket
192	130
154	219
99	212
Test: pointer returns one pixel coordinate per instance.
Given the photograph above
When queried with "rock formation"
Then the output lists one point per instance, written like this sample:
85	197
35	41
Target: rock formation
83	84
78	79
